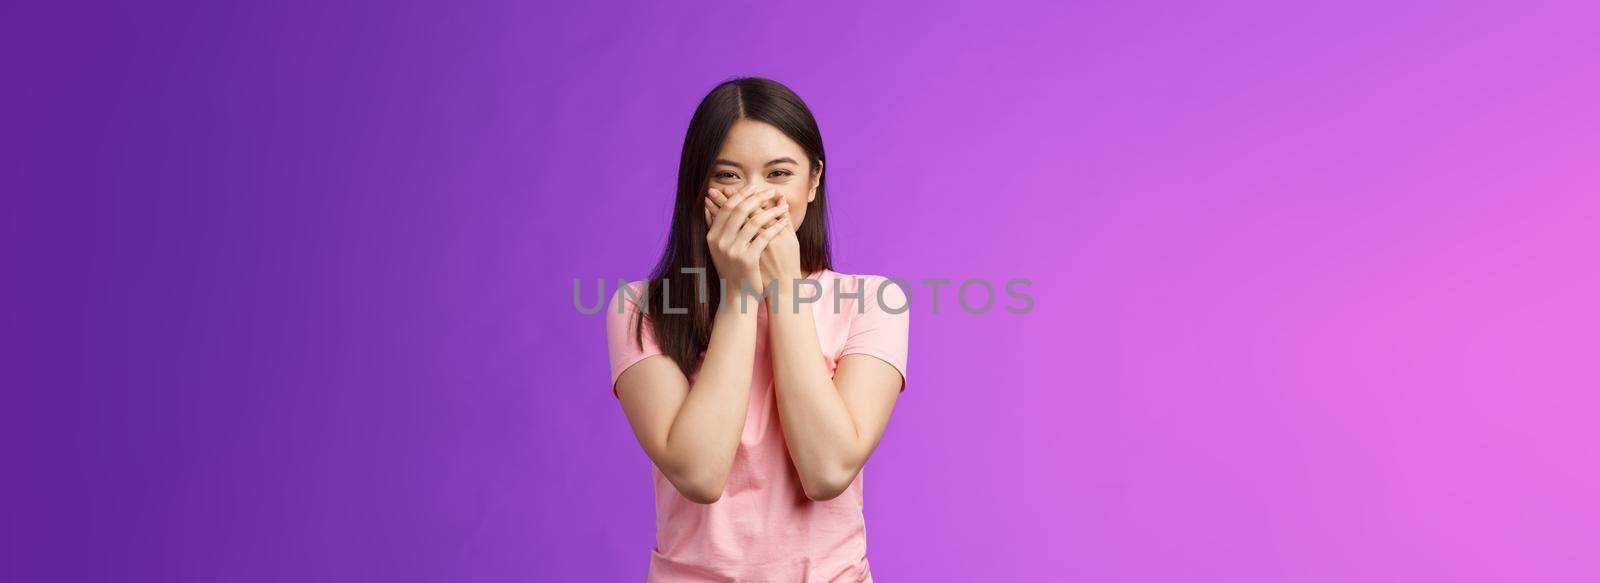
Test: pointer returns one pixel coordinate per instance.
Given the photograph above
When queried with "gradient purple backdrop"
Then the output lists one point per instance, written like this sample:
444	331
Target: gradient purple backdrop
288	289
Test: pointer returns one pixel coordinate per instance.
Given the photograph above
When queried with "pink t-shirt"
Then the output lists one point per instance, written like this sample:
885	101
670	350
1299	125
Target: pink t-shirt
764	528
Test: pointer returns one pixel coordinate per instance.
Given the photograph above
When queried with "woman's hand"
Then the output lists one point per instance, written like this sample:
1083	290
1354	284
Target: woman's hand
780	261
739	233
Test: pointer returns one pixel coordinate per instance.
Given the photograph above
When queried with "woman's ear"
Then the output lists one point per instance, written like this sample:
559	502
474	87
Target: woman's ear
816	179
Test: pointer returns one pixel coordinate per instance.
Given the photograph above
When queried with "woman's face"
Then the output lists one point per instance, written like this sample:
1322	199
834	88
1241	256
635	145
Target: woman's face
757	154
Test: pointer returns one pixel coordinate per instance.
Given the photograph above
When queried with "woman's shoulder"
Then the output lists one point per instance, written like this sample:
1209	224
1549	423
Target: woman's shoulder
872	284
628	296
635	286
850	279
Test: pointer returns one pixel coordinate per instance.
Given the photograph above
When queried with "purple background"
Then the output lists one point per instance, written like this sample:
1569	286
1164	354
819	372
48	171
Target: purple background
287	289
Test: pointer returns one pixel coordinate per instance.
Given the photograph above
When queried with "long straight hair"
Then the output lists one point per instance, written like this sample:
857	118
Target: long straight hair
684	336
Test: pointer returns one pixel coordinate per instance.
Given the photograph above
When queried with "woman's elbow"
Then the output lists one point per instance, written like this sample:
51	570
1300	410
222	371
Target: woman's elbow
702	495
700	490
825	488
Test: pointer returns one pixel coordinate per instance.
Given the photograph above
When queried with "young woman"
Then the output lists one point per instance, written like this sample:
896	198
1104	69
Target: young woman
757	410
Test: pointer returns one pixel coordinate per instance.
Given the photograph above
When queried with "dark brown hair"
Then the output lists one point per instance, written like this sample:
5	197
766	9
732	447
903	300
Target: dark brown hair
684	336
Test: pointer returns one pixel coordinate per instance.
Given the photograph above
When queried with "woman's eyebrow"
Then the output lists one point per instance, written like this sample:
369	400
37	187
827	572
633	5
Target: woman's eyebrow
721	162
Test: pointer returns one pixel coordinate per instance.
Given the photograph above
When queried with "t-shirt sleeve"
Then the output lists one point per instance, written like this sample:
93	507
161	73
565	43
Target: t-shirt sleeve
621	313
877	330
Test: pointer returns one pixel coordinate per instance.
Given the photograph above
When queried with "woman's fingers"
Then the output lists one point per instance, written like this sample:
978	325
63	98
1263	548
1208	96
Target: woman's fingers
767	234
714	202
718	204
757	222
748	232
733	219
734	197
760	219
720	197
718	200
719	216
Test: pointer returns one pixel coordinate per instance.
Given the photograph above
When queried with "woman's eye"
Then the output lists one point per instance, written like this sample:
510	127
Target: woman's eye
782	173
725	175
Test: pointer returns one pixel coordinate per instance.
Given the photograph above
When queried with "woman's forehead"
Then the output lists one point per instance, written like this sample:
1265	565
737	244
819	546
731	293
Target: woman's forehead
757	142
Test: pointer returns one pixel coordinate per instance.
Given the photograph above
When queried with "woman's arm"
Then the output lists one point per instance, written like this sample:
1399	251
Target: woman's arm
691	433
831	424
